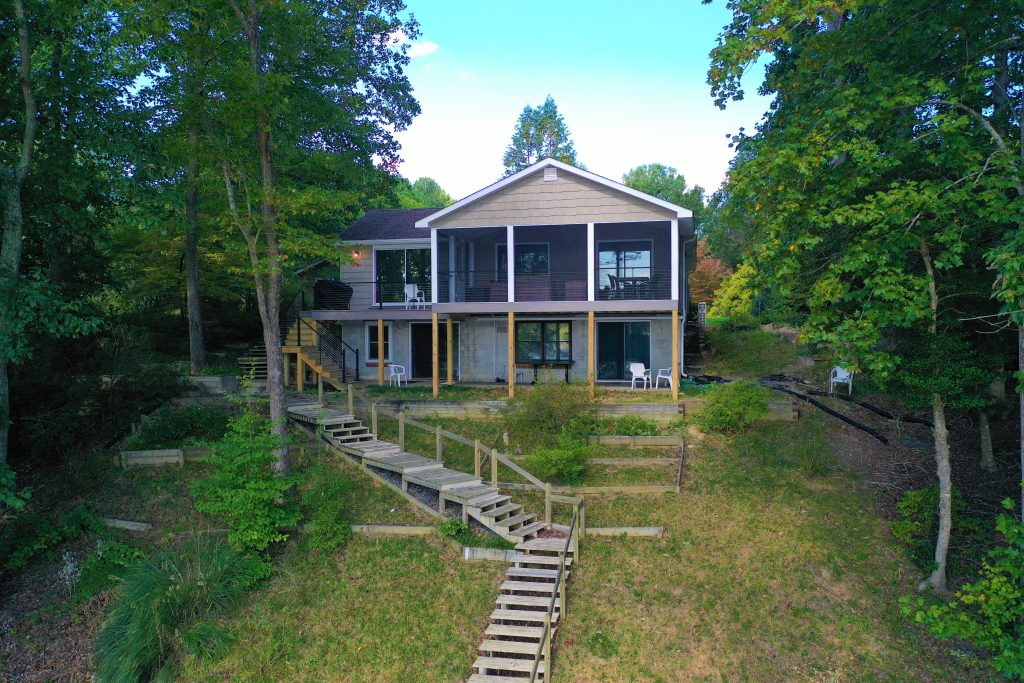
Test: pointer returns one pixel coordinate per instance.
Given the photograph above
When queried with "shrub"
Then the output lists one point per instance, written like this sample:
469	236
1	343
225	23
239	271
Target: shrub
565	464
633	425
163	610
10	497
30	534
732	406
242	489
918	527
110	561
181	427
538	416
989	612
460	531
329	525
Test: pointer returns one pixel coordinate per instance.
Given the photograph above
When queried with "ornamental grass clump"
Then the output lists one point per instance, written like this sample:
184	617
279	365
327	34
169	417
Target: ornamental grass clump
732	407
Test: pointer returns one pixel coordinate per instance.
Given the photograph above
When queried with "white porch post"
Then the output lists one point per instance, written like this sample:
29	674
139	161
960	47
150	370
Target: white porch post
510	255
433	265
591	294
675	258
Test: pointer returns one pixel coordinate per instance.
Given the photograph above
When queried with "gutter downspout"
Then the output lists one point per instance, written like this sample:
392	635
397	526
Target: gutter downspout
684	300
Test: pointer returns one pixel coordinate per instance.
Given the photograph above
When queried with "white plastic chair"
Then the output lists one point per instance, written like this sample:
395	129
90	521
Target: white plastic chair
396	375
639	372
414	297
664	374
840	375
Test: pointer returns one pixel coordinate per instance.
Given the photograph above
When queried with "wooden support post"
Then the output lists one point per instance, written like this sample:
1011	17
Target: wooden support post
494	467
401	432
511	354
561	585
300	372
591	342
440	503
436	355
438	445
582	528
450	350
373	419
547	646
285	358
547	502
351	400
380	352
476	458
675	355
320	388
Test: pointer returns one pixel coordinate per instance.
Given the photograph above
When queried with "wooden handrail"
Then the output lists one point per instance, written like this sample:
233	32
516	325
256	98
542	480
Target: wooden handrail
557	593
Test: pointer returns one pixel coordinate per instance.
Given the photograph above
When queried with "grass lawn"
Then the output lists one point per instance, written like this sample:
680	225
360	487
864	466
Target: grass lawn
424	392
380	610
748	355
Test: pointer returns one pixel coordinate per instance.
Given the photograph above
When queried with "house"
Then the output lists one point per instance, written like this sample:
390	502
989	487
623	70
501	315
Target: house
553	267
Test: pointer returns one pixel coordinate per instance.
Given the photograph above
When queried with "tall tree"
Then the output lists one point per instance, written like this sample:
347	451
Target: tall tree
540	133
665	182
869	195
425	193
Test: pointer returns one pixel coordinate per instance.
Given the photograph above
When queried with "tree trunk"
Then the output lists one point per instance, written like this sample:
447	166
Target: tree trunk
10	249
987	462
194	302
937	579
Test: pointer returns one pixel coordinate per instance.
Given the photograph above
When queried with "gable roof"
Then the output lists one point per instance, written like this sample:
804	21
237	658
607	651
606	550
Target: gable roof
593	177
387	224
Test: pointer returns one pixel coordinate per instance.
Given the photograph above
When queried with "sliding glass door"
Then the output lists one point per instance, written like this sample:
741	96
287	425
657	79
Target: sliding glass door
396	268
619	344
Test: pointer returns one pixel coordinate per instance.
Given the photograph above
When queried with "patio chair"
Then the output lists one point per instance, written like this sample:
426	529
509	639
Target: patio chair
414	297
840	375
396	375
664	374
639	372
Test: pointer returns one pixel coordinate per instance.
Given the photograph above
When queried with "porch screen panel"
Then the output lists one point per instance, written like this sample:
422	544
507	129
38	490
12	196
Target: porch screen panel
390	275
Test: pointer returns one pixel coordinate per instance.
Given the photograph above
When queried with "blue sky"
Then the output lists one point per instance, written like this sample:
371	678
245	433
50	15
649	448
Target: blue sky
628	76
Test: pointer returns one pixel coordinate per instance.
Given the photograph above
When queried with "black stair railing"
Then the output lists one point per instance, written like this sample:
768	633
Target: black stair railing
328	349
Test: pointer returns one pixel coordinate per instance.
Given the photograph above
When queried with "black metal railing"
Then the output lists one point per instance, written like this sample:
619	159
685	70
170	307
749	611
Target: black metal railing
642	283
327	349
363	295
489	286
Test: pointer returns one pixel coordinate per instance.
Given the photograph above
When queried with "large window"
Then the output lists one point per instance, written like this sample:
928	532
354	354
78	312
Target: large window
373	345
623	266
396	268
544	342
531	259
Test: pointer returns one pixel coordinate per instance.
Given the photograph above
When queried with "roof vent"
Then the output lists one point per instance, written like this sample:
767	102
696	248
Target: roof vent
550	174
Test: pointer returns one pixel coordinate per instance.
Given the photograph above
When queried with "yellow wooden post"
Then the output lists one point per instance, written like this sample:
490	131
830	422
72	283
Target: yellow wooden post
591	341
300	374
476	458
380	352
436	355
494	467
320	387
450	343
547	502
401	432
675	355
511	354
438	445
285	358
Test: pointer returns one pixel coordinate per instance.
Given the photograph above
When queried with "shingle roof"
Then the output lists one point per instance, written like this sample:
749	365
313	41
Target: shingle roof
388	224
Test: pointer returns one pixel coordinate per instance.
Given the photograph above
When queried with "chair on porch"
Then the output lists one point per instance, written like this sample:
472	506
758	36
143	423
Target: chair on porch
396	375
639	372
664	374
414	297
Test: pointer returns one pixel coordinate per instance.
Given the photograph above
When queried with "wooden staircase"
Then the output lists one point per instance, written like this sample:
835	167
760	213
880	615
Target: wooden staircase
517	629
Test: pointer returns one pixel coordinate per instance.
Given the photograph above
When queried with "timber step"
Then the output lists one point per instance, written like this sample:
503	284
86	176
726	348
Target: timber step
503	510
520	572
482	678
521	558
487	501
506	664
534	616
517	601
546	587
543	544
505	631
517	520
507	646
528	530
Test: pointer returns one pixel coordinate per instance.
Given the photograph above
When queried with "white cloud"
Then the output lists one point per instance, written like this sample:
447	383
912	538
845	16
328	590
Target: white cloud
420	48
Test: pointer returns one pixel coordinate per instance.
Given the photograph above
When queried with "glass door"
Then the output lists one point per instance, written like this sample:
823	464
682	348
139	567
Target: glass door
618	345
623	269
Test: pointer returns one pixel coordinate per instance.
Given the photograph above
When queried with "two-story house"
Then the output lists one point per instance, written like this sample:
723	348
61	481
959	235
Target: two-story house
553	267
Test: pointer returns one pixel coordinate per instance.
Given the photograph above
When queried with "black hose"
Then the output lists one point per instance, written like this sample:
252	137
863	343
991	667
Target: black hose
874	409
825	408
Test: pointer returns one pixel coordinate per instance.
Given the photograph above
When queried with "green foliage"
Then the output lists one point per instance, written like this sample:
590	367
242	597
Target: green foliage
634	425
454	528
735	297
665	182
601	645
329	524
181	428
564	464
243	490
425	193
102	568
732	407
750	354
457	529
989	612
540	133
29	534
918	527
10	497
536	417
165	607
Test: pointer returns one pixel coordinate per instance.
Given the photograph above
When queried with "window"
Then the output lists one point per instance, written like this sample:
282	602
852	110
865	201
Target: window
531	259
372	347
544	342
396	268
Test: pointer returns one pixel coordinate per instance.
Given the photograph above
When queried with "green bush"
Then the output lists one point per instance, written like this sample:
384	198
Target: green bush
918	527
633	425
243	489
536	417
732	407
181	428
460	531
564	464
989	612
329	525
100	569
30	534
164	607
